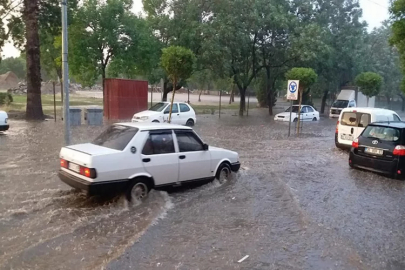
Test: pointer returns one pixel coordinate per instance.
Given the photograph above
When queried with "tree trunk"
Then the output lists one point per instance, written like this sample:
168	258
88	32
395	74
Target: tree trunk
403	103
232	97
324	97
242	105
367	100
103	82
34	103
171	103
199	96
388	101
268	91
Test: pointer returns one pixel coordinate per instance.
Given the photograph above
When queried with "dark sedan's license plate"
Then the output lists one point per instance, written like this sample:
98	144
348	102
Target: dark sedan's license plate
373	151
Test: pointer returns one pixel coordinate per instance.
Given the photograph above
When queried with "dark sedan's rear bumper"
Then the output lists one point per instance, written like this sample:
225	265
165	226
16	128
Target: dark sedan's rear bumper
4	127
388	167
235	166
93	188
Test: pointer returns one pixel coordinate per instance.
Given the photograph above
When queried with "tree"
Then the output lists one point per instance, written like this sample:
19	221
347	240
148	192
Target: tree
101	33
307	77
344	34
178	63
369	83
178	23
384	60
50	34
34	104
16	65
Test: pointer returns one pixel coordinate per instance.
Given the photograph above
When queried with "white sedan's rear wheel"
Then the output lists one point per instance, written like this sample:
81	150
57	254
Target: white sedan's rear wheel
137	191
190	123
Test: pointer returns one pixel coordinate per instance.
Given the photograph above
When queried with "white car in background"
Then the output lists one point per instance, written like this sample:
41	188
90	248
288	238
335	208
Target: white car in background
308	113
135	157
352	122
4	126
182	114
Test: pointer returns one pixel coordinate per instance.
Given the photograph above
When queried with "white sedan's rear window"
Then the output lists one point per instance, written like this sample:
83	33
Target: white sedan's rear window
116	137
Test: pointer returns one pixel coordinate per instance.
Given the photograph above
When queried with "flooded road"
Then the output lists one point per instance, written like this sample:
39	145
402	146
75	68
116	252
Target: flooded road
294	205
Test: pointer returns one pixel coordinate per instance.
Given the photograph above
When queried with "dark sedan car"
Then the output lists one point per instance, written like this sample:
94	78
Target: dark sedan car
380	148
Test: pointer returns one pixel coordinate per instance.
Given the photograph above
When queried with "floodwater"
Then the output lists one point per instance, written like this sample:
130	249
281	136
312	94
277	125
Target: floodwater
294	205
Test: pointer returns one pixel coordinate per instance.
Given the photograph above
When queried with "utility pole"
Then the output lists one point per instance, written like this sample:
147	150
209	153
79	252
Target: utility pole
65	71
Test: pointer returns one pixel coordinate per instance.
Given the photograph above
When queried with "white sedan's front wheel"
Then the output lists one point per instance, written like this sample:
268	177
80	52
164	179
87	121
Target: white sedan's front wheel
224	173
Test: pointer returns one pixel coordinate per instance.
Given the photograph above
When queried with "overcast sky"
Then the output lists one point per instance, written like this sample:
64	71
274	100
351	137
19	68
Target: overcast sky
374	12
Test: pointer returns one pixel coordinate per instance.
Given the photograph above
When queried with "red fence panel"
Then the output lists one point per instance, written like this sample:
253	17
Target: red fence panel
123	98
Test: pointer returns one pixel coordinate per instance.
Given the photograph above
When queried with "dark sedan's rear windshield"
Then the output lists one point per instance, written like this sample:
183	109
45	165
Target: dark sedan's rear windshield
388	134
116	137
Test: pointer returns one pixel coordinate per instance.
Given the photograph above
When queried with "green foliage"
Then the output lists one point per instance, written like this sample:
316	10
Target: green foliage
306	76
177	62
103	33
6	99
369	83
16	65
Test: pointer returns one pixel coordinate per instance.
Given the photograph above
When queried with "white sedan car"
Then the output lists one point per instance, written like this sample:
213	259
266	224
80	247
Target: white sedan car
4	126
308	113
182	114
136	157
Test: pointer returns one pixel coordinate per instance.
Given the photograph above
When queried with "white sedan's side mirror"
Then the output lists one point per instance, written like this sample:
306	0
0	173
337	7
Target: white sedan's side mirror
205	147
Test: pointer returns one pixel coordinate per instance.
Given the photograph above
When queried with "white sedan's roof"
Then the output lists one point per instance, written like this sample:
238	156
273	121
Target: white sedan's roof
153	126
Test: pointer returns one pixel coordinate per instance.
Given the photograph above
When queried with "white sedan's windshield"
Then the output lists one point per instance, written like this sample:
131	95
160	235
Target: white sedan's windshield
294	109
158	107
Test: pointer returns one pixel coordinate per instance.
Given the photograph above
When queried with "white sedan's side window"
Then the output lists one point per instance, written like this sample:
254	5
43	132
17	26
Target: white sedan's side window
184	107
159	143
188	142
396	118
309	109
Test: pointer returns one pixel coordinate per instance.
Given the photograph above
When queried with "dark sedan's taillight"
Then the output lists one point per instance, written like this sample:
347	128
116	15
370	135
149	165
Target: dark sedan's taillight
355	143
399	150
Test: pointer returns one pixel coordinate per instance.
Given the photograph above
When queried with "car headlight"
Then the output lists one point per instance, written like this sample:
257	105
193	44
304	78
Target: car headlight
144	117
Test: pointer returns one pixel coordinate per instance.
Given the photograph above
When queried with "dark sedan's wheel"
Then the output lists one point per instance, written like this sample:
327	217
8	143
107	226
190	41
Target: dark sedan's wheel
224	173
190	123
137	191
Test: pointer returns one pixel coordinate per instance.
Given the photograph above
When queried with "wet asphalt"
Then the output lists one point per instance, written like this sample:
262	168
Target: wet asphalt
295	204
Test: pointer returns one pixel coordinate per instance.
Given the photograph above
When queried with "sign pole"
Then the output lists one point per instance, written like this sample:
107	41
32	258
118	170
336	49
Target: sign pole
289	124
65	74
292	94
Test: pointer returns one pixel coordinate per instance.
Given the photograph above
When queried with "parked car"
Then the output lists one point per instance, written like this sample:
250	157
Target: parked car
136	157
352	122
308	113
380	148
4	126
182	114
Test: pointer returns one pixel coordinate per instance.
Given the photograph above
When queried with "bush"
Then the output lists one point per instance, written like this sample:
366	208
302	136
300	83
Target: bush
5	98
